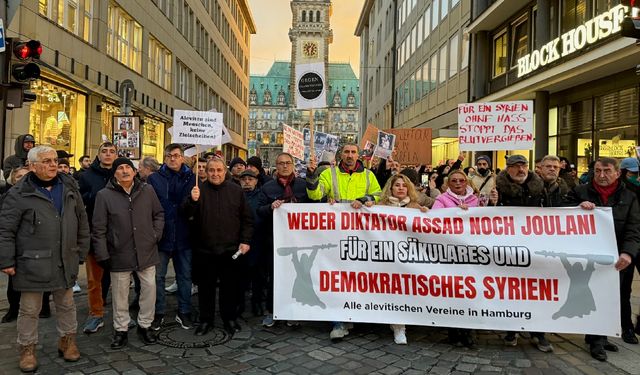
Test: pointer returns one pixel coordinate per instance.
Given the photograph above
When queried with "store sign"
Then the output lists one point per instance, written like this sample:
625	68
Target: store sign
600	27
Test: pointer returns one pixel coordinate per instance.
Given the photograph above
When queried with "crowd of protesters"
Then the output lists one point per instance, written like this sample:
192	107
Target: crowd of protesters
214	221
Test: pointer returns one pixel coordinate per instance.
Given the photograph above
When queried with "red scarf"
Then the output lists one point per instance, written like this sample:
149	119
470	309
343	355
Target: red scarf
344	167
287	183
605	191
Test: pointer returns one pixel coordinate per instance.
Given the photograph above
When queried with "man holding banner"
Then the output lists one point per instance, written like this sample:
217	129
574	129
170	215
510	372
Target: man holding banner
606	190
518	186
350	182
284	187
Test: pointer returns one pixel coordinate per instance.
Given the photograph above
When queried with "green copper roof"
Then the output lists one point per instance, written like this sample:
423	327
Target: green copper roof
342	80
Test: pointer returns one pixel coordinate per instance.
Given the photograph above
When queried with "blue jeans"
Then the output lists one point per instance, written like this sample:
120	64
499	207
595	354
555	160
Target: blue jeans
182	266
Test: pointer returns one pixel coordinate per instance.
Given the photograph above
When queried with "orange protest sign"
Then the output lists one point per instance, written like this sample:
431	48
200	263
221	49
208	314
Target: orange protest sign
413	146
371	135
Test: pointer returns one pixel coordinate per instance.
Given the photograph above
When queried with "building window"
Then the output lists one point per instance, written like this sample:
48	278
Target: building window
201	97
124	38
519	39
442	75
434	15
433	63
454	3
304	16
444	9
500	53
183	82
57	117
87	26
68	15
418	80
412	36
464	57
427	22
420	31
574	13
426	85
453	55
159	64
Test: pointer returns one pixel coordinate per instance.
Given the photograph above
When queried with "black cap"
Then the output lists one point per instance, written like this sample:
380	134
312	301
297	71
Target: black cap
119	161
515	159
28	138
248	172
63	154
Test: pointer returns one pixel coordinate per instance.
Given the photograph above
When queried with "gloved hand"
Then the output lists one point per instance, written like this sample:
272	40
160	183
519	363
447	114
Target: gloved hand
105	264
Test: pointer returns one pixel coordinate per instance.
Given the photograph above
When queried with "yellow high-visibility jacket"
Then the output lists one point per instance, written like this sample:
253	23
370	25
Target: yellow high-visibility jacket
337	183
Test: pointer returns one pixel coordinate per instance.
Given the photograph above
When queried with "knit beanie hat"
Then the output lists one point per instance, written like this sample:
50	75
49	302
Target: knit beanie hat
119	161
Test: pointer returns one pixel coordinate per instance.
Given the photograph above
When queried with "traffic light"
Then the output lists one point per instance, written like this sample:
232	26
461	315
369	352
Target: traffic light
23	68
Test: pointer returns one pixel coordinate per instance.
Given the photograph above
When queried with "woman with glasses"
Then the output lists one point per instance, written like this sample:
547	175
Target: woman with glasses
399	192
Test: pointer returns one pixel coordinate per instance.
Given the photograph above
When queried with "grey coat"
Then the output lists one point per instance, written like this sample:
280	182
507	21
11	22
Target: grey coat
44	248
127	228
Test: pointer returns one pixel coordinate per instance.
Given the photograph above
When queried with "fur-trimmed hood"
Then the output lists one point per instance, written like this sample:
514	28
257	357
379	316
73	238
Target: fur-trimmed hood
531	193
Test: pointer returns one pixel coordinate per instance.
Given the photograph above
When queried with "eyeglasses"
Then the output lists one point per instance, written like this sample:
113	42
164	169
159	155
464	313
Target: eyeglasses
173	156
284	163
53	161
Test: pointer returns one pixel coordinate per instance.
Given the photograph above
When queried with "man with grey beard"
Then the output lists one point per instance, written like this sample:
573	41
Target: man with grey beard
520	187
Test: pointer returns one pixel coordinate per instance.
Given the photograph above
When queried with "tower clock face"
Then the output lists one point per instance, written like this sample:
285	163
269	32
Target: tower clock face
310	49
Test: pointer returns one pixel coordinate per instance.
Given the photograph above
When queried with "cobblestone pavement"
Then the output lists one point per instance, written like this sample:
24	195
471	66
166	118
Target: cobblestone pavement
369	349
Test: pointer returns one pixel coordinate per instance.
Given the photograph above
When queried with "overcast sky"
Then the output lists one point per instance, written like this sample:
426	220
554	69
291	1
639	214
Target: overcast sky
273	20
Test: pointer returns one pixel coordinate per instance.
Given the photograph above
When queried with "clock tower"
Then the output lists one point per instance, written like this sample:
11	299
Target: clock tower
310	35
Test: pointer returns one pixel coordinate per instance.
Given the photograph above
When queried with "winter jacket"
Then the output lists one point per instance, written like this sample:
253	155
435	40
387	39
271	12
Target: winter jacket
16	160
626	214
44	246
556	194
222	219
391	203
172	189
273	190
479	181
528	194
127	228
360	184
91	182
450	199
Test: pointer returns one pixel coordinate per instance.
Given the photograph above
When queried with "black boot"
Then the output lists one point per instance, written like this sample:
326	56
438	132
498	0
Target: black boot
146	336
119	340
637	330
10	316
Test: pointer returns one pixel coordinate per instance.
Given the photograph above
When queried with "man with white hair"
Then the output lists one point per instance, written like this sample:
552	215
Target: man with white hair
44	234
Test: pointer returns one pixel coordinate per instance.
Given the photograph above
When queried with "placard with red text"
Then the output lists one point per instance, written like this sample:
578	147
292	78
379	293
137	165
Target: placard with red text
495	126
507	268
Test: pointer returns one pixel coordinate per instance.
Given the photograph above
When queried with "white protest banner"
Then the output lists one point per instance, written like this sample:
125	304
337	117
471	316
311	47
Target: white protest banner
226	137
310	86
197	127
495	126
506	268
293	142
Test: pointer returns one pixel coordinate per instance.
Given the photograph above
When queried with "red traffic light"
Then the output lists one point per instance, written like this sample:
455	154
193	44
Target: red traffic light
25	50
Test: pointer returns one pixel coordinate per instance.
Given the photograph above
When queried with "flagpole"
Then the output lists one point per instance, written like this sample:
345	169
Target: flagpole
312	153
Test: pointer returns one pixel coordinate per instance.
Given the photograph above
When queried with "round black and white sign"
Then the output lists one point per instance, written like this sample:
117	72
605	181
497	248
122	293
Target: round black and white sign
310	85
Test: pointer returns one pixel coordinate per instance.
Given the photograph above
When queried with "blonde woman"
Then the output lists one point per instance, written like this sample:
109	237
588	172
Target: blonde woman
400	192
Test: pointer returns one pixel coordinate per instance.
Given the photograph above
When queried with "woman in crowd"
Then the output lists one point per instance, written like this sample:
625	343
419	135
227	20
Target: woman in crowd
400	192
460	193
